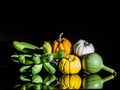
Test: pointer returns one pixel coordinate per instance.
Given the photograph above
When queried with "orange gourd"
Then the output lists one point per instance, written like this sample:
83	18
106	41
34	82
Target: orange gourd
62	44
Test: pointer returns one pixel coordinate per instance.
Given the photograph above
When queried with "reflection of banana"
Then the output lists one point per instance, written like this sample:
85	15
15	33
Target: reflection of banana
24	47
49	79
47	48
49	68
24	68
37	79
24	78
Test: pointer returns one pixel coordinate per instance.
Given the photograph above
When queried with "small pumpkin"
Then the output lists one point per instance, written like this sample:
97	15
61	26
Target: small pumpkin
82	47
70	64
62	44
70	81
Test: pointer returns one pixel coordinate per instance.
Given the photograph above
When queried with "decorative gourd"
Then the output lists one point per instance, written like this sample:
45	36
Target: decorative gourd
82	47
70	64
70	81
93	63
62	44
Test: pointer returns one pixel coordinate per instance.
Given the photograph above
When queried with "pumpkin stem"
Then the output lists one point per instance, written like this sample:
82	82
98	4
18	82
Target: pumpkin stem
60	37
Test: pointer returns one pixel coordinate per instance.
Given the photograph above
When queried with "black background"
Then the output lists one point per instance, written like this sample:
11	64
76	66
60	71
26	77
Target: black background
104	38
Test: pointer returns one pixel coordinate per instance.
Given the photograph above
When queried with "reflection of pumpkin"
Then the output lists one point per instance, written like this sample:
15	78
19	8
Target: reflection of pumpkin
62	44
70	81
70	64
82	47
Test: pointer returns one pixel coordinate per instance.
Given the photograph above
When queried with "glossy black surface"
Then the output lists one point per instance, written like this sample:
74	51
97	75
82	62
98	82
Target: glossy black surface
103	37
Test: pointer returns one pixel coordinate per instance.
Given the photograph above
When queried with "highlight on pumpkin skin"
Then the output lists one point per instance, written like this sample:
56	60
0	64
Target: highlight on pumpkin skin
62	43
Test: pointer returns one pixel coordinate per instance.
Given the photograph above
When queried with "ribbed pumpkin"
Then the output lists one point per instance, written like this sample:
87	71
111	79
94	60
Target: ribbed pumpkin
62	44
70	81
82	47
70	64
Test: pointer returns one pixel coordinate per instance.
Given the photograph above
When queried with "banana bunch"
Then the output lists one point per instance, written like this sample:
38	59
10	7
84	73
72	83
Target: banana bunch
36	82
33	62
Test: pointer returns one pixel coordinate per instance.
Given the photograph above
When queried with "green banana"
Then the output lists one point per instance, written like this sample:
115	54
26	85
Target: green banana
37	68
36	58
25	59
58	54
37	79
14	58
49	79
49	68
24	47
47	58
47	48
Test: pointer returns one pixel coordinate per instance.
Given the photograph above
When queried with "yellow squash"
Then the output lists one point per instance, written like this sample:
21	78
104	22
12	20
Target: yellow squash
70	81
70	64
62	44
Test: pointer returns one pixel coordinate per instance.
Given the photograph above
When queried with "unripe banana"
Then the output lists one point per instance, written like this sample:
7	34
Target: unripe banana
24	47
47	48
37	68
59	54
49	68
47	57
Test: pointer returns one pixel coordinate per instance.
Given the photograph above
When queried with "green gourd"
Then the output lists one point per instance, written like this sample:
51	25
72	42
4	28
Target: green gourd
94	81
93	63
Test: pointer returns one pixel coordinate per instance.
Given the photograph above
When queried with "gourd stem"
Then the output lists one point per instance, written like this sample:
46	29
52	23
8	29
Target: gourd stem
108	78
108	69
60	37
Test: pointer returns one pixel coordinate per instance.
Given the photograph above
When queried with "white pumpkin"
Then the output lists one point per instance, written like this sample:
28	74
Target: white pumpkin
82	47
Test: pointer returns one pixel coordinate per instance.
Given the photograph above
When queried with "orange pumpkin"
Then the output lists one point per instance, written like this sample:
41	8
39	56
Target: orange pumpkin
62	44
70	64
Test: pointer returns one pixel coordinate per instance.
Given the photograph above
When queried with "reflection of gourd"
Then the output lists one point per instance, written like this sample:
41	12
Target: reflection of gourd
94	81
70	64
93	63
70	81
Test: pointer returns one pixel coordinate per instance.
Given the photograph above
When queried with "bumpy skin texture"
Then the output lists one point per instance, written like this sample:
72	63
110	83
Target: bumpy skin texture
70	81
70	64
62	44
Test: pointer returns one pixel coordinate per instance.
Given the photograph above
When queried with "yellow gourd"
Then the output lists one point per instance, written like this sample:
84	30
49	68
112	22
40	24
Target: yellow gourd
70	64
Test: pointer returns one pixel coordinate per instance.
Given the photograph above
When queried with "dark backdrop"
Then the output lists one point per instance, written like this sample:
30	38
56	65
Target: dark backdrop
104	38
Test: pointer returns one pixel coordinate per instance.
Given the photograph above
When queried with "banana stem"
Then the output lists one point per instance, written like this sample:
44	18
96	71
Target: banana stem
108	78
106	68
